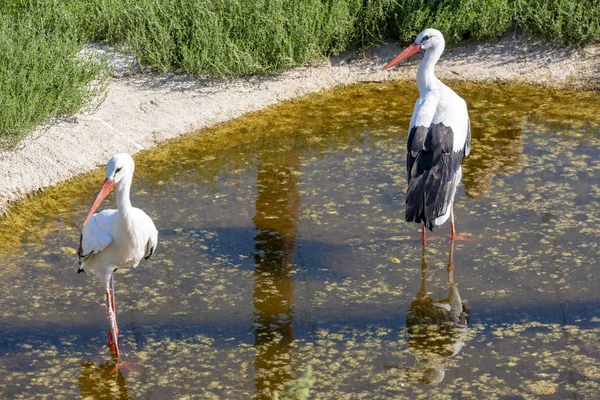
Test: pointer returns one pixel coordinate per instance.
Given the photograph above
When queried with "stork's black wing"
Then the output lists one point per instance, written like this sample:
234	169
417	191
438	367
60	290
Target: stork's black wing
432	169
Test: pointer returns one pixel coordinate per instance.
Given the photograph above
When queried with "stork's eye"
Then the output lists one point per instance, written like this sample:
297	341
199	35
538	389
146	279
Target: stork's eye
426	37
118	169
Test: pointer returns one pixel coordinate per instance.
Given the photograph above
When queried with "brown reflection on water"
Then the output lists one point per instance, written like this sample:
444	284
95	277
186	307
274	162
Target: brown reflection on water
276	219
497	151
500	114
437	330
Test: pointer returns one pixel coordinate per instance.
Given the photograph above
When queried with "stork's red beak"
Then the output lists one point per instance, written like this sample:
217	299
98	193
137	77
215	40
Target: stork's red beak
407	52
108	185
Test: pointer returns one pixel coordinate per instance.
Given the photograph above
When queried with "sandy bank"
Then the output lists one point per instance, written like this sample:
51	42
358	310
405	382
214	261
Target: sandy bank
142	110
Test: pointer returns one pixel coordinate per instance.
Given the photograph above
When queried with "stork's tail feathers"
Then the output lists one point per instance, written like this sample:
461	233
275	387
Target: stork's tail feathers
79	266
431	190
415	202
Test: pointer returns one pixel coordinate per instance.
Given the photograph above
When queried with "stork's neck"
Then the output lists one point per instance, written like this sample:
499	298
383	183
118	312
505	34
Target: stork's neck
123	201
426	79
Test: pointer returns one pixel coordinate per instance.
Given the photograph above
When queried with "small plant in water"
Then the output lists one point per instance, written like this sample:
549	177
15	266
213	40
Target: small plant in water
298	389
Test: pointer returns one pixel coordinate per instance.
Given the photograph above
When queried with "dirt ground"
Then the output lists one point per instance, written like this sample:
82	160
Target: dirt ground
143	110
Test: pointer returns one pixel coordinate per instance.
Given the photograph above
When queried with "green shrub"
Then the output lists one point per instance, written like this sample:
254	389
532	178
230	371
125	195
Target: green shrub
41	77
569	22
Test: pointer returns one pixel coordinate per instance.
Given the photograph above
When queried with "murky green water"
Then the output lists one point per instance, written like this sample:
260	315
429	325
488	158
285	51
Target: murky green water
283	245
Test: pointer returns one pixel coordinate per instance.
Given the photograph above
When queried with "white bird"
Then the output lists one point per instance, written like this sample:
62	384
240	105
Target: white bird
113	239
439	138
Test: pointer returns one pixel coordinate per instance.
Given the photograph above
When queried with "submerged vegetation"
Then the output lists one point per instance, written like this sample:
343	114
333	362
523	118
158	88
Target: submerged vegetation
42	74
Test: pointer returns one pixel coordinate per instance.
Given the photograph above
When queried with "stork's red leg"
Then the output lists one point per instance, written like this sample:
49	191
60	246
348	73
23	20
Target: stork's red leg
114	303
454	237
112	319
112	292
424	238
452	221
128	366
108	308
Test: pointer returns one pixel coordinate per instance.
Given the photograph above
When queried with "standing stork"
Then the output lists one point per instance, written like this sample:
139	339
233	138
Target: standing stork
439	138
113	239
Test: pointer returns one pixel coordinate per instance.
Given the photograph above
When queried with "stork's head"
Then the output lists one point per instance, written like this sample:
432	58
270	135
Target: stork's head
429	39
119	167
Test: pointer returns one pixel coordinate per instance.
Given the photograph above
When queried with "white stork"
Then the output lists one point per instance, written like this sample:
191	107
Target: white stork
113	239
439	138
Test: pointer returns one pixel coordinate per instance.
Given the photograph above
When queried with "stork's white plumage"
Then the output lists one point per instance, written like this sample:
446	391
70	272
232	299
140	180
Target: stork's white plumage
439	138
113	239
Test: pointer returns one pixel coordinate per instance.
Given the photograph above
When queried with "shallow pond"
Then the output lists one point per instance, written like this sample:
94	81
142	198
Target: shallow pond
283	245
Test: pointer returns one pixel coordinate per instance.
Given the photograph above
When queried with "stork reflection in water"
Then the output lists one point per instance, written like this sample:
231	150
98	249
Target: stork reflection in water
103	381
437	330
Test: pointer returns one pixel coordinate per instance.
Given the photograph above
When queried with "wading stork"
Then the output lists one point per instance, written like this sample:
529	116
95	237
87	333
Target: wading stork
113	239
439	138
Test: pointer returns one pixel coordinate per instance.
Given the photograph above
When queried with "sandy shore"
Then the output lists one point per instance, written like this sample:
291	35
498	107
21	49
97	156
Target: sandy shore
142	110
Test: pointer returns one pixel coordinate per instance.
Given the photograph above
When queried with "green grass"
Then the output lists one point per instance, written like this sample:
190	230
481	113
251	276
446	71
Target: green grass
41	78
46	79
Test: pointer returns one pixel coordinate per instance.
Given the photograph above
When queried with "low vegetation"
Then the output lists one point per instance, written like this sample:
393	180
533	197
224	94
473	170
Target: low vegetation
43	75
